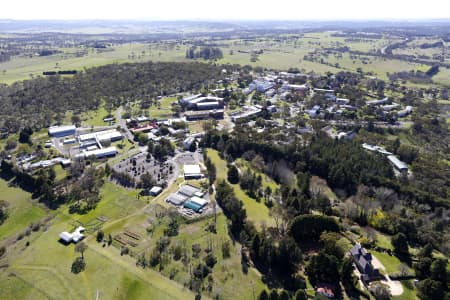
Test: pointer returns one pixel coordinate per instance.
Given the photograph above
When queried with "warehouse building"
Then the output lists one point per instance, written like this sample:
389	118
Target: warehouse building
61	131
192	172
98	153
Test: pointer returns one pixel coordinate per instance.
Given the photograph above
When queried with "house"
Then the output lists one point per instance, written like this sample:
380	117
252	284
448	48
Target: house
313	112
389	107
306	129
155	191
376	149
342	101
75	236
270	93
398	164
61	131
325	290
363	261
192	172
378	102
403	113
187	143
272	109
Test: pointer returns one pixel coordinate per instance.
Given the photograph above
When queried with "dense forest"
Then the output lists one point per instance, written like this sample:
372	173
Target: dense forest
413	207
41	101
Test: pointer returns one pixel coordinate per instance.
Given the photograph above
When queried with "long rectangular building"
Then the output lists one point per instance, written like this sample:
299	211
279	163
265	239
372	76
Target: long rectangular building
102	136
61	131
99	153
204	114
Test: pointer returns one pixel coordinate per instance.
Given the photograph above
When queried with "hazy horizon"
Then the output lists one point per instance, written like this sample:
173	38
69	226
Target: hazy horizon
232	10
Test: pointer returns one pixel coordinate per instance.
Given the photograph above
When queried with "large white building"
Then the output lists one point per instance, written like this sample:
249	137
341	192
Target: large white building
102	136
98	153
192	172
61	131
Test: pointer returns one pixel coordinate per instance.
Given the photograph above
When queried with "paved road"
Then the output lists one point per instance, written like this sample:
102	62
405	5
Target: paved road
123	124
400	124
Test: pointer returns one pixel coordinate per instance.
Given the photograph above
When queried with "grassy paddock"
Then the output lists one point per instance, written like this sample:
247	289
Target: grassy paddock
21	210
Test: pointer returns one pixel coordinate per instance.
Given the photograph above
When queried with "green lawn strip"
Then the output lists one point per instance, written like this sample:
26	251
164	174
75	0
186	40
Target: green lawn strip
391	263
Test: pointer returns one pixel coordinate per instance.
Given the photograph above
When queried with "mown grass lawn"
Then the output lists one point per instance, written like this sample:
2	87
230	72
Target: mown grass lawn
391	263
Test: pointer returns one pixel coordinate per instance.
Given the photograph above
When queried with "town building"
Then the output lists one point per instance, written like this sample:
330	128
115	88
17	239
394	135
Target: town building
192	172
187	143
75	236
403	113
61	131
155	191
176	199
247	113
204	114
378	102
397	163
363	261
98	153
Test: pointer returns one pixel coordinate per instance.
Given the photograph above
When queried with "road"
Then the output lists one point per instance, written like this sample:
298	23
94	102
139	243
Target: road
123	124
399	124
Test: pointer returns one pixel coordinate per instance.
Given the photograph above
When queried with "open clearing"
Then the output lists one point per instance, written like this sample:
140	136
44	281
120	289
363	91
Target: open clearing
257	212
21	210
43	268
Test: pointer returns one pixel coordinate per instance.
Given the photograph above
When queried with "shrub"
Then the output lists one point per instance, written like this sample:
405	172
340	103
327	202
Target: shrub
100	236
78	265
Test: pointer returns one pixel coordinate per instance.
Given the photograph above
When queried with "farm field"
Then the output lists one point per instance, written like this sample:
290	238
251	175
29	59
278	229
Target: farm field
21	68
281	55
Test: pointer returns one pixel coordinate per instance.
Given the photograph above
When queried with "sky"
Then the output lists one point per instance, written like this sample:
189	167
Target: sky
224	10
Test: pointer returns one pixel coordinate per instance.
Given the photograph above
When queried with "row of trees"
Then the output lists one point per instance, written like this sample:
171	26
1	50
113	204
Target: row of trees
206	53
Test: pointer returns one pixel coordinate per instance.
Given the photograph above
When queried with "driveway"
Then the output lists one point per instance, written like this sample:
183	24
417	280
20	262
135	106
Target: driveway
395	286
